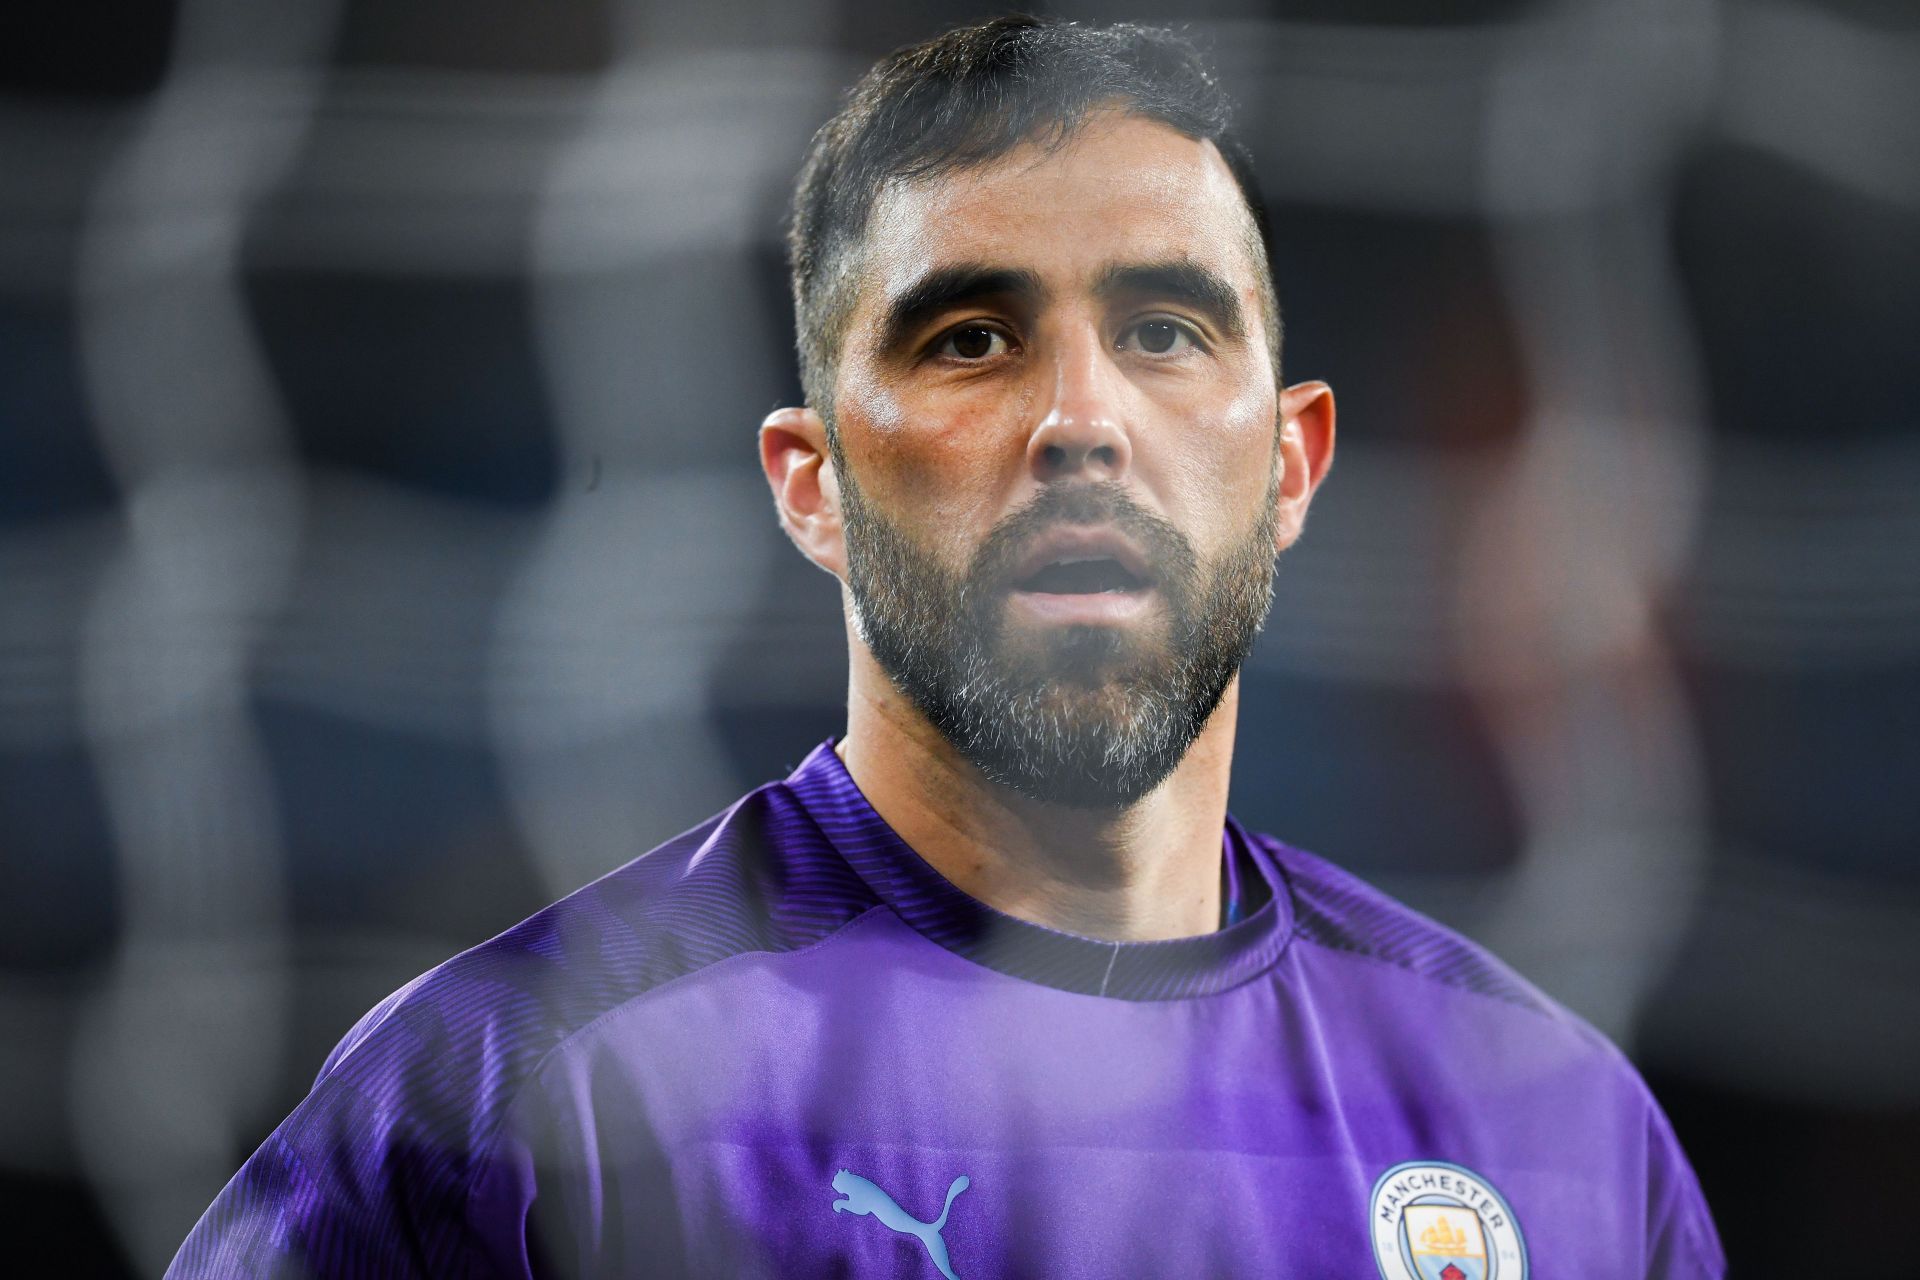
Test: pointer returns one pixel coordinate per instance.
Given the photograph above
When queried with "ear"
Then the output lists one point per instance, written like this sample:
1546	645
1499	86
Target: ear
806	492
1306	451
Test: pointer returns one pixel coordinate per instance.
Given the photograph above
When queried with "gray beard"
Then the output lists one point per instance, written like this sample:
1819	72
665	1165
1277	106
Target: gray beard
1083	716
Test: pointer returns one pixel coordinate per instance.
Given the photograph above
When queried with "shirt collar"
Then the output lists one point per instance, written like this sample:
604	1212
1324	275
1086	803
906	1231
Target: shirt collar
946	915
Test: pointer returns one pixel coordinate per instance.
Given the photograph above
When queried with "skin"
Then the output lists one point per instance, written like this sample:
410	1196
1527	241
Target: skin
1073	391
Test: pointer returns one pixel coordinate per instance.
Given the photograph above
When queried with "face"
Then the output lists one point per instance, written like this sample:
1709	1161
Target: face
1058	456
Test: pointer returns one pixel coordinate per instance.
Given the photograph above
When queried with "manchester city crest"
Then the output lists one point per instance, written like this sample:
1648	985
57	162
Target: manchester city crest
1436	1221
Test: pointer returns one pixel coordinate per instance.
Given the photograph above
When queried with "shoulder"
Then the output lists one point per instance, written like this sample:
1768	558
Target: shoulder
384	1155
1337	911
758	877
1526	1072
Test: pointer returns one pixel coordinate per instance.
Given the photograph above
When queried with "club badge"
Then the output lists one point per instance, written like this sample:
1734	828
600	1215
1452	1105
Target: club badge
1435	1221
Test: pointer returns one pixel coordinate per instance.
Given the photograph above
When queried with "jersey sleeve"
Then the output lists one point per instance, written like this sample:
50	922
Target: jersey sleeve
1682	1243
364	1182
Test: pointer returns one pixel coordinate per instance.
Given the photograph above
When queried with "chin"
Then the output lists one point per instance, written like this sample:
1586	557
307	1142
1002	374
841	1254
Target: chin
1088	658
1085	781
1064	742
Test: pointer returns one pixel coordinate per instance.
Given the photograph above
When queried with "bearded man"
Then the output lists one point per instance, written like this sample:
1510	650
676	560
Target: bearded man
993	985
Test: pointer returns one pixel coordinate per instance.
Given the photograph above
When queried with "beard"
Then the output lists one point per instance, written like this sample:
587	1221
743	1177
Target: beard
1090	717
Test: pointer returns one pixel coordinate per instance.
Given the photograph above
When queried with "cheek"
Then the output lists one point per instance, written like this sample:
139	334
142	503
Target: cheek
1221	473
943	467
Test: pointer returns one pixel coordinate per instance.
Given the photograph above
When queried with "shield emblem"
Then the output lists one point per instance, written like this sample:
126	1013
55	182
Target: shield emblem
1446	1242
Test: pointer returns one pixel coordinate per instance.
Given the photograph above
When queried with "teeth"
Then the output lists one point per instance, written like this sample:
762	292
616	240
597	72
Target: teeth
1078	559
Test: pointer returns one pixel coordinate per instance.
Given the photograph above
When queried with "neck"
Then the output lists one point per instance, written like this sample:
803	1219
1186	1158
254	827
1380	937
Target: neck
1148	872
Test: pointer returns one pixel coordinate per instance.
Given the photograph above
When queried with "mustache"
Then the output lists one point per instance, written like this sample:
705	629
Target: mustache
1170	556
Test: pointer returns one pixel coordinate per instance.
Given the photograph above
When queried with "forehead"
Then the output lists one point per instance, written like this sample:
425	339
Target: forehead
1121	189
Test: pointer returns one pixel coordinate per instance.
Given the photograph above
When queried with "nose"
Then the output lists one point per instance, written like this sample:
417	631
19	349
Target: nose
1084	431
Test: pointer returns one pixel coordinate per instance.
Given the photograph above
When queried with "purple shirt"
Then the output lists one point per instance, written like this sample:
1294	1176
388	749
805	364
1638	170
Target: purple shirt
783	1045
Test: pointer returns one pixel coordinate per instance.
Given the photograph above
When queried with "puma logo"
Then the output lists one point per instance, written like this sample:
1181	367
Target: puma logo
866	1198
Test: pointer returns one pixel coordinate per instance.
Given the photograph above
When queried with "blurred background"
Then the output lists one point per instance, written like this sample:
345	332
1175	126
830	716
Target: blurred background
382	551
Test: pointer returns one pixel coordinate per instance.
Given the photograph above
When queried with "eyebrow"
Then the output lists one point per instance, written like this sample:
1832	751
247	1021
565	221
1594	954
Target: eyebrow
1179	280
946	288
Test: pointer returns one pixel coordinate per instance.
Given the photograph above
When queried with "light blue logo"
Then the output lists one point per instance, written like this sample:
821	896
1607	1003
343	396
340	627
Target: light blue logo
865	1198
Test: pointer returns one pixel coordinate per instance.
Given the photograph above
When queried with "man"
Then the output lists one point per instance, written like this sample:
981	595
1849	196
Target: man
993	986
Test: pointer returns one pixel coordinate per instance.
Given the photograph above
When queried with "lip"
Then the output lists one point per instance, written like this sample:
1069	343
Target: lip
1096	608
1083	608
1082	542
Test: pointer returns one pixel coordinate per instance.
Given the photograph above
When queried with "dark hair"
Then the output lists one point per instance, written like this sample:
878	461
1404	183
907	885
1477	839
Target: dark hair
966	98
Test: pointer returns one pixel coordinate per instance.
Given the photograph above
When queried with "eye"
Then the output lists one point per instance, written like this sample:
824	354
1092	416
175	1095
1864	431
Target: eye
972	342
1159	336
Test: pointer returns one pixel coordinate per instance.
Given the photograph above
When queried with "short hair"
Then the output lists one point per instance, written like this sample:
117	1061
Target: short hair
965	99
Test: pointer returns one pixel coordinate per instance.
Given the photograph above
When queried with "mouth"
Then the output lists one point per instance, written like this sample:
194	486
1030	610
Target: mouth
1083	575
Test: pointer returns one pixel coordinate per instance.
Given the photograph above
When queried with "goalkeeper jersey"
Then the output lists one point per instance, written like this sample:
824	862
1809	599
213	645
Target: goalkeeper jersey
781	1044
